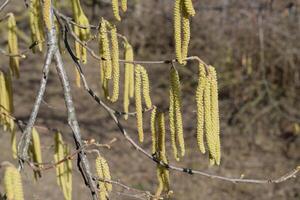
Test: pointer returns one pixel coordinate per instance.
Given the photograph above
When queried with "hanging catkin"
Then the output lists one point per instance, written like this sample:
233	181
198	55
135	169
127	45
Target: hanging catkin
13	183
13	45
172	125
215	113
37	33
175	87
177	29
82	32
210	137
115	8
124	5
153	130
128	79
35	148
146	87
103	172
138	102
115	63
162	173
200	107
47	14
63	169
104	50
185	35
189	8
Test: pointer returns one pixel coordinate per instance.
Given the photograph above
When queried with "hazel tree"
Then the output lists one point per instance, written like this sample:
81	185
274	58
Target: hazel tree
51	33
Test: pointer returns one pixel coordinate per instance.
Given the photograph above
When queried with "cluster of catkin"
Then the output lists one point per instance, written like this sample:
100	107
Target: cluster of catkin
82	31
208	113
142	89
109	63
36	24
103	174
6	108
158	132
183	10
13	49
63	168
175	115
13	183
115	8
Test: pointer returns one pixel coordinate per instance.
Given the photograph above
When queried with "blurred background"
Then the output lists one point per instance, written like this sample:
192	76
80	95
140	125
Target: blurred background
254	45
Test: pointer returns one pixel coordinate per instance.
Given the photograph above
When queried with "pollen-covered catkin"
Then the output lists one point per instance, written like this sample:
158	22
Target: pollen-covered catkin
115	8
115	64
128	80
35	21
13	184
105	50
47	14
18	186
175	86
13	45
153	130
146	87
103	172
82	32
9	183
162	173
215	113
64	169
35	147
138	102
124	5
172	125
210	138
200	107
185	35
177	29
189	8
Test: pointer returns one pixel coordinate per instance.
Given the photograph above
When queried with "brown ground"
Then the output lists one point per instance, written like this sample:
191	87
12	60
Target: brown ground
259	146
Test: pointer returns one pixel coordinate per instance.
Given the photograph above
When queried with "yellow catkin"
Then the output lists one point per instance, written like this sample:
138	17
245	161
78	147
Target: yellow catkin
13	184
83	33
208	119
175	86
35	147
124	5
172	125
200	107
138	103
153	130
63	170
13	45
115	64
189	8
215	113
36	24
115	8
104	50
185	35
14	144
18	187
47	14
177	29
146	87
103	172
9	183
128	80
162	173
